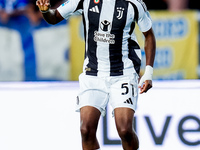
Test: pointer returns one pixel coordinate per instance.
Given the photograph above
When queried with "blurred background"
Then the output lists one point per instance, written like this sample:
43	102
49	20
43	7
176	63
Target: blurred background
40	65
32	50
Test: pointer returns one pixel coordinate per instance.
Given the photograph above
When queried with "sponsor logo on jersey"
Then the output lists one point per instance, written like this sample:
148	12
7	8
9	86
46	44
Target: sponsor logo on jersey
94	9
96	1
105	25
104	37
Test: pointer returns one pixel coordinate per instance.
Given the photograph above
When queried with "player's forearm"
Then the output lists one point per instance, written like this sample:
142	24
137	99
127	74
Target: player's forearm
150	47
50	16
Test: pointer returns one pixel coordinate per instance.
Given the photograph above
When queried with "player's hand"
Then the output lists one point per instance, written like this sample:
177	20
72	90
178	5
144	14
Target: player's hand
145	86
146	80
43	5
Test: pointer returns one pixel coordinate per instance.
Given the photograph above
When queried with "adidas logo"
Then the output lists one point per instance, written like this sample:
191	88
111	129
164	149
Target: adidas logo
94	9
129	101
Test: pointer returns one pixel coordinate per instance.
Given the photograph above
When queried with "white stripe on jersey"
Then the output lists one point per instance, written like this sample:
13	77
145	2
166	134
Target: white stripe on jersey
102	49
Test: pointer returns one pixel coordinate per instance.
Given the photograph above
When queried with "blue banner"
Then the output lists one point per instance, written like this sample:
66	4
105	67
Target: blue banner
19	54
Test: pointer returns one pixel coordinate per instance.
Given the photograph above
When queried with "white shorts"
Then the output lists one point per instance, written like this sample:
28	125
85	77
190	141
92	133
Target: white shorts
119	91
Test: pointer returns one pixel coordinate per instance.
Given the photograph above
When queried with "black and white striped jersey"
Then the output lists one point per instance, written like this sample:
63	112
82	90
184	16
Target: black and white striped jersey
111	47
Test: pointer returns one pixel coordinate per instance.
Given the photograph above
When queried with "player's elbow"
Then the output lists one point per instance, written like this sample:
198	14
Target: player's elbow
52	21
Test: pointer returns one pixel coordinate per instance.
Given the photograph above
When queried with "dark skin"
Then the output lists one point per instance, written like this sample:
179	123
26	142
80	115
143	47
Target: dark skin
53	16
150	46
89	116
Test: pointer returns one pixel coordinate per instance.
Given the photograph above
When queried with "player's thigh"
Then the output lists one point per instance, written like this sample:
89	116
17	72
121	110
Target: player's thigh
89	118
124	118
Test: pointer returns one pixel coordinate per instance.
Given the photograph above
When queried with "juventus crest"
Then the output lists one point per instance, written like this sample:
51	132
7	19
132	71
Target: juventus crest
120	11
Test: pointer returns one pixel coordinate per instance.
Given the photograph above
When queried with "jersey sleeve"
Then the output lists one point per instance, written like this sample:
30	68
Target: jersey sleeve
69	8
144	19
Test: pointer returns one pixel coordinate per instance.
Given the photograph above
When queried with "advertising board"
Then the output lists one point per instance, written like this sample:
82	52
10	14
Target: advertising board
41	115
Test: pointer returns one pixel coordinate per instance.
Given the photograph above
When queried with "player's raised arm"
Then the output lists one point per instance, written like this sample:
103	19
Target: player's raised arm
52	16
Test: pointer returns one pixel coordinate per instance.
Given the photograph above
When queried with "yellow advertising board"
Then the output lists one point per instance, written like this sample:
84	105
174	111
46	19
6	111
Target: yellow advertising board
177	45
77	47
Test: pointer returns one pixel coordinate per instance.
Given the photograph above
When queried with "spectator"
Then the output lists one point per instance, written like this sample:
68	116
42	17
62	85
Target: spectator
177	5
172	5
9	8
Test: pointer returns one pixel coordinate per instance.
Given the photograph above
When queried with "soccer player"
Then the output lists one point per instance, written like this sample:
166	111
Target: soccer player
112	62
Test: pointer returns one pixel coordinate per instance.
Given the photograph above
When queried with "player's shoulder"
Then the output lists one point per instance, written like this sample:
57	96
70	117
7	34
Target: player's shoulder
138	3
141	6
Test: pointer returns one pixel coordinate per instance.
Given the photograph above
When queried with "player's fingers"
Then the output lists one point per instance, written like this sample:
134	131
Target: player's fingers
43	2
43	5
147	85
37	2
142	88
47	2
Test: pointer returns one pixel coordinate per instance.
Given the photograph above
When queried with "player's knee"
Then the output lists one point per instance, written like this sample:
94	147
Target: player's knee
125	133
87	132
129	136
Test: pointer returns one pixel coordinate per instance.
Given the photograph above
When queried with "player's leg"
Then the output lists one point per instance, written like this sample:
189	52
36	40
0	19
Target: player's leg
123	99
91	102
89	121
124	123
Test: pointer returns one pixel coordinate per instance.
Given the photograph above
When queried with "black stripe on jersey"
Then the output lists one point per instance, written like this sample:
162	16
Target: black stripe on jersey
115	50
84	33
80	5
135	18
132	45
93	18
132	28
